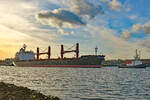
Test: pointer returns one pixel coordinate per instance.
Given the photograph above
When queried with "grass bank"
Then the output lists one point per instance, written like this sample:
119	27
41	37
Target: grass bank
12	92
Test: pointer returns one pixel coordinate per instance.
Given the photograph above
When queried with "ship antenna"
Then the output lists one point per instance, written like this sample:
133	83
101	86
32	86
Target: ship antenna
96	50
139	54
24	46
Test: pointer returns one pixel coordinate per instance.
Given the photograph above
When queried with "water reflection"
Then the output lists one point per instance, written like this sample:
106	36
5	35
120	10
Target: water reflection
82	83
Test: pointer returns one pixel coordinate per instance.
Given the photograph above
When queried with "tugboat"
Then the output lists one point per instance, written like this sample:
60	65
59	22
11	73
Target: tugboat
136	63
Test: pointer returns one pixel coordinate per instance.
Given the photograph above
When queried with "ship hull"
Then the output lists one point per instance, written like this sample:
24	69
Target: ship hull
136	66
66	66
71	63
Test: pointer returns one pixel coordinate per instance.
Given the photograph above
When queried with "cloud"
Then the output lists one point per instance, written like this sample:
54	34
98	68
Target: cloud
18	26
63	32
116	47
3	54
145	47
72	17
83	7
115	5
128	9
136	29
125	34
133	17
59	18
146	28
145	43
20	20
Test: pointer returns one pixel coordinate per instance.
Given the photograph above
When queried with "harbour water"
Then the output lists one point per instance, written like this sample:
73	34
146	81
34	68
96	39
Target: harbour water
109	83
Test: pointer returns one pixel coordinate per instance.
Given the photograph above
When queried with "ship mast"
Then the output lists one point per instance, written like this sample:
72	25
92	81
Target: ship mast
24	46
96	50
137	56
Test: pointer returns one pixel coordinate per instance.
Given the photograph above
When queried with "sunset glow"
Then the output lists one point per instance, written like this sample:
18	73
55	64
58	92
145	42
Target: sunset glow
116	27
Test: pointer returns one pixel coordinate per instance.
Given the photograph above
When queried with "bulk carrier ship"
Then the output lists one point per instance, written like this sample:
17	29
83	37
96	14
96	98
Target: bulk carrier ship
25	58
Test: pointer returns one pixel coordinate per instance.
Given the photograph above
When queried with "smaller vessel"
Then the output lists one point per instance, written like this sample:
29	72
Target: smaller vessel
136	63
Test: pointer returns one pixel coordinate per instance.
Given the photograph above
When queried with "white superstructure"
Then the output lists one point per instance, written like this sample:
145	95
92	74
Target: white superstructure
24	55
136	60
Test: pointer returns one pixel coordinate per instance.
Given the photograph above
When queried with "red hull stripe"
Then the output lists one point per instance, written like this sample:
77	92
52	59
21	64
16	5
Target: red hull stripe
70	66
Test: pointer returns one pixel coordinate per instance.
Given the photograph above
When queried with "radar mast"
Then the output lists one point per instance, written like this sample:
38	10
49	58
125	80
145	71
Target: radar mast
96	50
24	46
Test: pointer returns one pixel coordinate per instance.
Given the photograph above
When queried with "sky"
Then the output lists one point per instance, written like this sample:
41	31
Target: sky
116	27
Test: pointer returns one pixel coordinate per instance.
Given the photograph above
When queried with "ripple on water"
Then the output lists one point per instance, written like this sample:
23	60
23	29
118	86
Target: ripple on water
82	84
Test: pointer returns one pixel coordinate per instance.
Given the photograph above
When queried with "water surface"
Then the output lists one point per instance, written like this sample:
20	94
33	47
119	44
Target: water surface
109	83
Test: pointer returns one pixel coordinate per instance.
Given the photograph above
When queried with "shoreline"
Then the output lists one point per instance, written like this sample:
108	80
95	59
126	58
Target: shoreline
13	92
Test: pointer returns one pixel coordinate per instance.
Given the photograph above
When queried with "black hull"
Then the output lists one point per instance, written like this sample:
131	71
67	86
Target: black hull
136	66
93	62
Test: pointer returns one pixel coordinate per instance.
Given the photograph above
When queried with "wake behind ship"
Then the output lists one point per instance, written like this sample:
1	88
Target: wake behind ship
25	58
